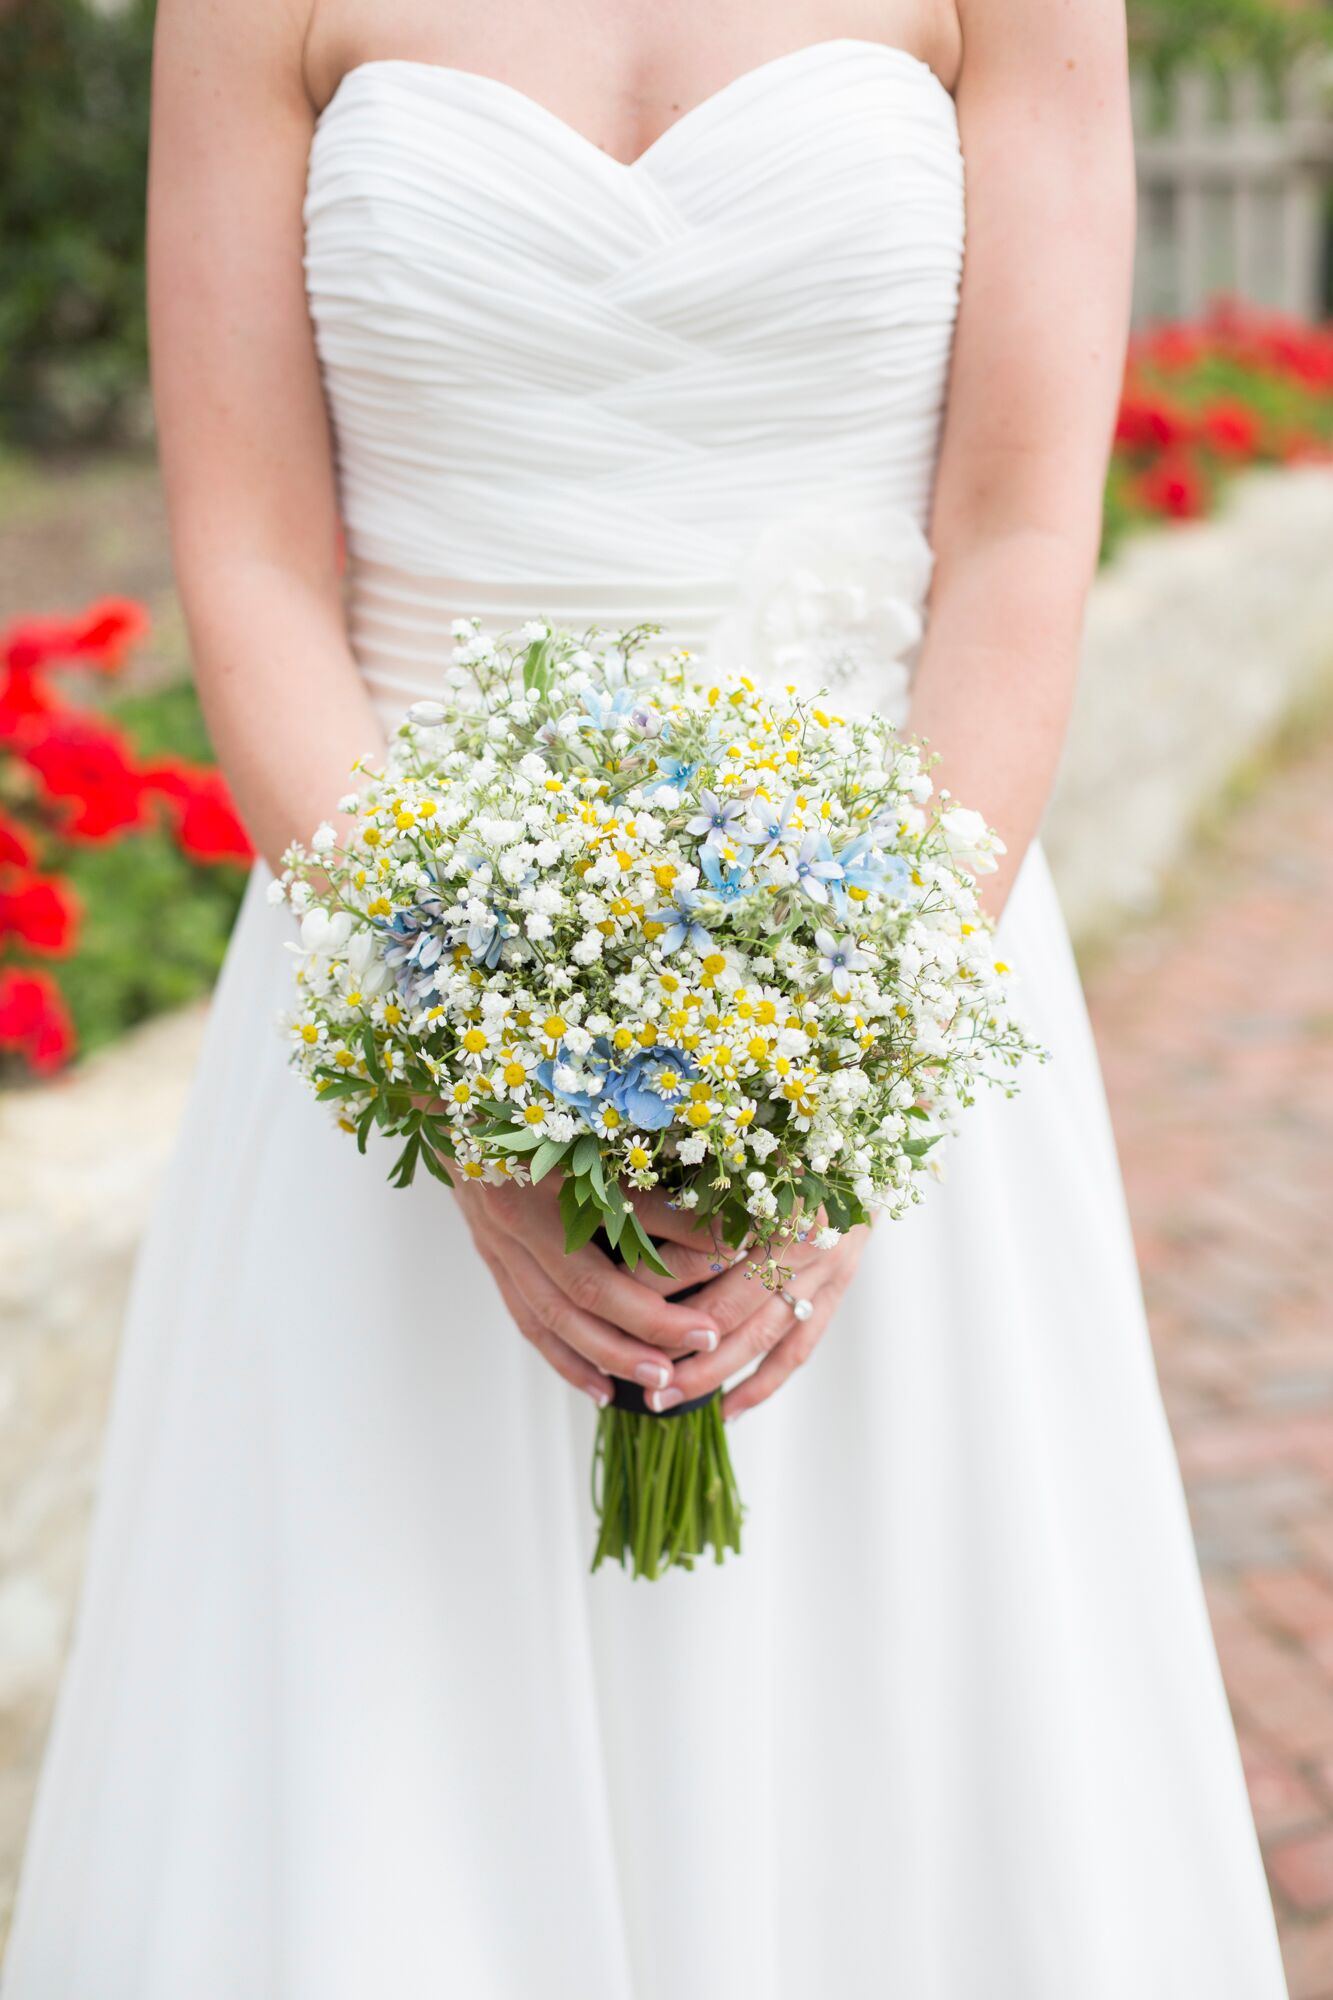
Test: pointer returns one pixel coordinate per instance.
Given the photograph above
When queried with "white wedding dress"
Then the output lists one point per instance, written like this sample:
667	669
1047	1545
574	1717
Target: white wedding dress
346	1715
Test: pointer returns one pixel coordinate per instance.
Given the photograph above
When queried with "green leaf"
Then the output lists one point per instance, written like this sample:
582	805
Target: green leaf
648	1250
839	1214
582	1230
519	1142
586	1150
404	1166
549	1154
435	1165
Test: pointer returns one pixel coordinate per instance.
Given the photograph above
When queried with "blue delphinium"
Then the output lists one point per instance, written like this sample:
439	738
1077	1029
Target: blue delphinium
413	944
645	1092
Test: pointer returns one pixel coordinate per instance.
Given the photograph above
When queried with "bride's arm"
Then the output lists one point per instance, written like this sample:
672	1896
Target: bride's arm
246	450
1043	109
244	437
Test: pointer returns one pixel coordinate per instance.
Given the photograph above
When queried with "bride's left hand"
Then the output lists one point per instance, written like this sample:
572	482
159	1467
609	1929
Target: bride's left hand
760	1325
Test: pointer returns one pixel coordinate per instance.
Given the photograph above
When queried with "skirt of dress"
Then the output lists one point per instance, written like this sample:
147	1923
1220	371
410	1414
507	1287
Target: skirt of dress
346	1714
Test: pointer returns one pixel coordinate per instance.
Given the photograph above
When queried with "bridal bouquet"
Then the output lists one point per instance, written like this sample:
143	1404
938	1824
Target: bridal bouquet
601	917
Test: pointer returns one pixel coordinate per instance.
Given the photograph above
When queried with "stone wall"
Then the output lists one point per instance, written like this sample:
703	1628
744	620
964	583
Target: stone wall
1199	641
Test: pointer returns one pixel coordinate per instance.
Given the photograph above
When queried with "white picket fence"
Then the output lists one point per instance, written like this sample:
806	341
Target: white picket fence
1234	171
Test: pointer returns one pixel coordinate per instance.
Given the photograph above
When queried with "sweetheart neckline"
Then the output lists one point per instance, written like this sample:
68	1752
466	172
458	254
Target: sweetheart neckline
715	99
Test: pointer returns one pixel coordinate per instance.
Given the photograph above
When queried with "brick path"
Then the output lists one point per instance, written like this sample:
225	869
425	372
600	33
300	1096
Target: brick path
1216	1029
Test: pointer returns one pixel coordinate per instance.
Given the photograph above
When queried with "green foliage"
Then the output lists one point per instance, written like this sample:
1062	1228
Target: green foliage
1269	32
155	923
73	162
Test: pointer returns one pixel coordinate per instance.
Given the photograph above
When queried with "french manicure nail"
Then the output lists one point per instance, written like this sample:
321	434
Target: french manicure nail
663	1399
652	1374
704	1337
599	1395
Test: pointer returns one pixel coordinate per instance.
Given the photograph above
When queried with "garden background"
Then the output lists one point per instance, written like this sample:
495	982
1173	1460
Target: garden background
1191	836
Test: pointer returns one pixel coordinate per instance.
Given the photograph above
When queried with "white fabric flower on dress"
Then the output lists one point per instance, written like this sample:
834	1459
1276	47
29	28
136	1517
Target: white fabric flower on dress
832	600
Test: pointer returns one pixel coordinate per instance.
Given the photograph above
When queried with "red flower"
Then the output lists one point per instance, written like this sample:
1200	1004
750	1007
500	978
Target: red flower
1174	486
207	825
14	848
23	699
1148	421
210	828
39	911
1170	348
98	637
33	1020
1231	428
86	767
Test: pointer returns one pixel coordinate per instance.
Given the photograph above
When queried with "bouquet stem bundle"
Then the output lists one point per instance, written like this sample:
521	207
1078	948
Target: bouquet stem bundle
663	1486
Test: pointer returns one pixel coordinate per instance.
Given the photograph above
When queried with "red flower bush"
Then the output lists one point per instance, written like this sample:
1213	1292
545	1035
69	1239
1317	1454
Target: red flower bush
1241	387
66	776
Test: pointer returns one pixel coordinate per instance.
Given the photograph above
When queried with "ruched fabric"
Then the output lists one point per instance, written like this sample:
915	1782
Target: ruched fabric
346	1715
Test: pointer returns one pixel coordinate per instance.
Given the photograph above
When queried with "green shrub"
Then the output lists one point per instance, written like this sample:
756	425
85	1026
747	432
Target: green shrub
73	160
1269	32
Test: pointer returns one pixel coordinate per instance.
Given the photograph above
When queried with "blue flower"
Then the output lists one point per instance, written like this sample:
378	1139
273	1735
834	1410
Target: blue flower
774	825
486	940
645	1092
582	1101
728	883
865	869
716	819
608	713
650	1086
682	926
413	946
816	868
674	771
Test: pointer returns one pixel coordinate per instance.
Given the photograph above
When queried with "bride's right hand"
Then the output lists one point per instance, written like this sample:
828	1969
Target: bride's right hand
587	1316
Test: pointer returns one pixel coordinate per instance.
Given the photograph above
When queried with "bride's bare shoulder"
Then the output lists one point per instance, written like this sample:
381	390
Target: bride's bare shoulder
232	51
1066	49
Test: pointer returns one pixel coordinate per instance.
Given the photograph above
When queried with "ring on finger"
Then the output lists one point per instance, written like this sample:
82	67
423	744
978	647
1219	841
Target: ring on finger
800	1308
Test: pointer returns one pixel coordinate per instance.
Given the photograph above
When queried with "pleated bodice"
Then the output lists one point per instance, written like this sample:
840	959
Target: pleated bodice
561	382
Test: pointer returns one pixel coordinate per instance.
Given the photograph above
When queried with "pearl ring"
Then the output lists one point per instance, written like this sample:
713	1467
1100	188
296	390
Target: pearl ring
801	1308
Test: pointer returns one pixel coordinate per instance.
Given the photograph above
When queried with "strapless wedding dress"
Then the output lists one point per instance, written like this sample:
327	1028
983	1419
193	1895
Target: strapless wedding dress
952	1728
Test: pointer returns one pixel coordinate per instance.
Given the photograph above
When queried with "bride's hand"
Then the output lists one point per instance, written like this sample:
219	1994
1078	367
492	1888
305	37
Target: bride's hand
758	1324
587	1316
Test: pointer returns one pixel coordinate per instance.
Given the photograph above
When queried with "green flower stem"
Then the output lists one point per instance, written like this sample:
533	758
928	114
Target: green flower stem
664	1489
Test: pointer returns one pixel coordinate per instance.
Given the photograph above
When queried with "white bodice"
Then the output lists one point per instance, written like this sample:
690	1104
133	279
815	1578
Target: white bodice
561	383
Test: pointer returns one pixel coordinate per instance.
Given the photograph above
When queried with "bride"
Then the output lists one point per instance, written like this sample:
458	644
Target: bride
613	312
